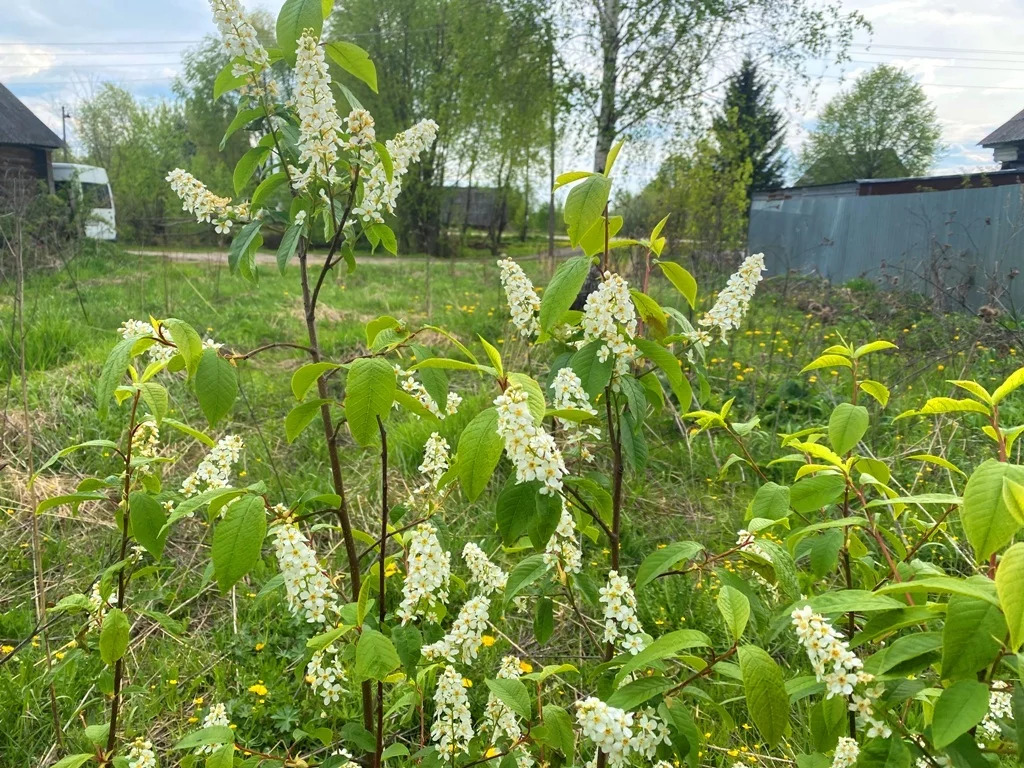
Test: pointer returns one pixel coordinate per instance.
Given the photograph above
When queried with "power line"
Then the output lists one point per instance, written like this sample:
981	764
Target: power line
898	55
940	48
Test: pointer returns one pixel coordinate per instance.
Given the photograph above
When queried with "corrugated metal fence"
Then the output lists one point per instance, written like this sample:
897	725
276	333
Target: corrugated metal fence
959	246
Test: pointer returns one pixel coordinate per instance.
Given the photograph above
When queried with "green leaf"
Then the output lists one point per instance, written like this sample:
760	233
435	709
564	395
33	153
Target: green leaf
667	362
664	559
682	280
214	734
295	17
516	507
571	176
73	499
307	375
771	502
147	517
300	417
523	575
852	601
562	291
1009	578
872	346
971	636
987	521
557	731
877	390
71	449
1012	382
544	620
114	636
74	761
247	166
202	437
735	610
370	392
978	587
241	119
227	81
632	695
244	243
155	397
188	342
666	646
376	657
288	246
812	493
266	188
534	395
216	386
479	451
884	753
113	371
960	707
765	691
593	372
585	204
237	540
355	61
408	642
847	426
223	757
513	694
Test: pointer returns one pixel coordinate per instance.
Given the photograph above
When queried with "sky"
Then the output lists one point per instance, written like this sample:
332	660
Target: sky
57	52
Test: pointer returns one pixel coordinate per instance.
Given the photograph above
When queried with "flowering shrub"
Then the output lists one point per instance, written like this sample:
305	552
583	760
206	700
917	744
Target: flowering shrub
848	646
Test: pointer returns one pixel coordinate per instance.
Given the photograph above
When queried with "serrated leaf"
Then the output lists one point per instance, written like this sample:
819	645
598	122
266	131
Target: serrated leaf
479	452
562	290
376	657
988	523
216	386
877	390
353	60
300	417
294	18
662	560
523	575
632	695
307	375
960	707
513	694
846	426
594	373
765	691
827	361
237	540
735	609
1009	578
369	395
214	734
585	204
972	636
147	518
246	167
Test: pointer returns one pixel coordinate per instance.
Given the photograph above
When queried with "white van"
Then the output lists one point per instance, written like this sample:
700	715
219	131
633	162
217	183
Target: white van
88	184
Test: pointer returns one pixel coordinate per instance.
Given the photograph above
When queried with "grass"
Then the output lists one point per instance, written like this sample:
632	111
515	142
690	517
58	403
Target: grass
227	649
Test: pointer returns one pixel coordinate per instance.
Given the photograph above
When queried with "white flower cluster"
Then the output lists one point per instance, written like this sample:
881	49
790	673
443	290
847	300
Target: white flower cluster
482	571
839	668
141	754
380	194
325	673
146	440
138	329
1000	707
728	311
217	715
747	541
308	591
452	729
846	753
531	449
569	393
428	572
523	303
435	457
203	204
240	38
608	308
412	386
96	604
361	132
620	614
215	470
617	733
466	635
500	719
320	125
562	547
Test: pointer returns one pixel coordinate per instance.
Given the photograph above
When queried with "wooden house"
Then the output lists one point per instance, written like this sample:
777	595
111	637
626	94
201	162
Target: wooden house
26	144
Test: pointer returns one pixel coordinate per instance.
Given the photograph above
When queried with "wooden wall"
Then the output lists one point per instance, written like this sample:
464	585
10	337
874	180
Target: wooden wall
26	163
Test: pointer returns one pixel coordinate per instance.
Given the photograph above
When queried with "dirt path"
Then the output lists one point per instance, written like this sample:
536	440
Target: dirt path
267	258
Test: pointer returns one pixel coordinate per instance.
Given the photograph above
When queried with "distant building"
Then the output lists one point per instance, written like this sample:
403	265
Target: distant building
26	144
475	207
1007	142
874	164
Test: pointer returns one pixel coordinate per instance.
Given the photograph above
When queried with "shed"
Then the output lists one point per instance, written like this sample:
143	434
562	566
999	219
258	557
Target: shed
26	144
1007	142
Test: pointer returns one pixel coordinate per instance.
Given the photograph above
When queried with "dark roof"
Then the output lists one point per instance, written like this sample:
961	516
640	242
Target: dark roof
1011	130
898	186
18	125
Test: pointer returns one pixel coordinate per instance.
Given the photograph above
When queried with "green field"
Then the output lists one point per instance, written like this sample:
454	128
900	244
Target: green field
244	649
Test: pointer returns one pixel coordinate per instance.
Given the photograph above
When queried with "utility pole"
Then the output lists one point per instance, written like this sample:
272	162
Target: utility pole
64	115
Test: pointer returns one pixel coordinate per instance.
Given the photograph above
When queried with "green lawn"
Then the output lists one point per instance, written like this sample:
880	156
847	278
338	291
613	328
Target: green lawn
239	644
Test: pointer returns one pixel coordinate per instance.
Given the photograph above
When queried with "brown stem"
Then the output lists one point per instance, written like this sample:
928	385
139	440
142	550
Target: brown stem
115	701
704	672
613	539
265	347
378	755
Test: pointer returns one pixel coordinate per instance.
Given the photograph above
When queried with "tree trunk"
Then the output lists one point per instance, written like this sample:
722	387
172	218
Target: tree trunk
608	17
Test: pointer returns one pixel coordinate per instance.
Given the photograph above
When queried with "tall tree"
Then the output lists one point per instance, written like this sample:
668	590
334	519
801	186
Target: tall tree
883	126
750	128
657	56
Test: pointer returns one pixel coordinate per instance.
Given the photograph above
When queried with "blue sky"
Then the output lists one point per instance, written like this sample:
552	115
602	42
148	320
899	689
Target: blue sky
57	52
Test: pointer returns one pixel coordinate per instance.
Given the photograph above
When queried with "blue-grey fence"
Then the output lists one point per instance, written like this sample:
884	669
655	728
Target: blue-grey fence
961	246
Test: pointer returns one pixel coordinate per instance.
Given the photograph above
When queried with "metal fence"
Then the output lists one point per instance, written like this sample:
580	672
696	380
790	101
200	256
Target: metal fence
962	247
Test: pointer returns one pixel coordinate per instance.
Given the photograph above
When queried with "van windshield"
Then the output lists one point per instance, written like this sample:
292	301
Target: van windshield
95	195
